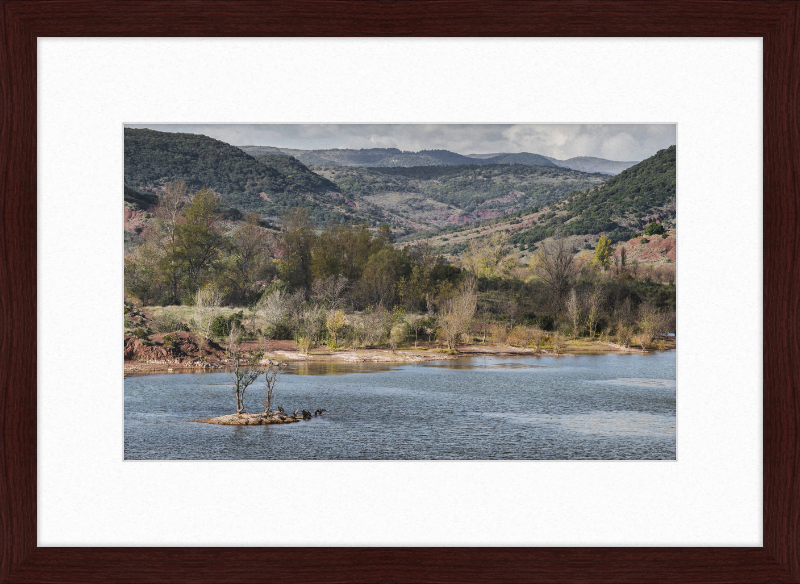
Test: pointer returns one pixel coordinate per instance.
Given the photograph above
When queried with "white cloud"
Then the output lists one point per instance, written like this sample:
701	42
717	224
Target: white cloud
611	141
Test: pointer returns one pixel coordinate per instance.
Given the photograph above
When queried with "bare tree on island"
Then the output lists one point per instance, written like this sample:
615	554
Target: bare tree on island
245	368
272	370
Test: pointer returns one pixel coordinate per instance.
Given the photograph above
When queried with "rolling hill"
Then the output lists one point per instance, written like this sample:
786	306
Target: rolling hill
620	206
392	157
582	163
592	164
425	197
269	185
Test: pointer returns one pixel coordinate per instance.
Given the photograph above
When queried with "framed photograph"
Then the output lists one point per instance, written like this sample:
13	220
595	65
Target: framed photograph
403	300
88	493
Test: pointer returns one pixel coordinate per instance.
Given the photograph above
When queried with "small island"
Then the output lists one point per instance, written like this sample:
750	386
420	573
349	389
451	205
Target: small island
262	419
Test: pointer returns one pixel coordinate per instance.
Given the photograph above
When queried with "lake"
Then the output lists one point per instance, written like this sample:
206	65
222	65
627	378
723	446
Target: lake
609	407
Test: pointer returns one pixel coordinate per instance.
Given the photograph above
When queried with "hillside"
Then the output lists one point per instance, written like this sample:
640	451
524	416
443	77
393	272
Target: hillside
625	203
392	157
269	185
619	207
425	197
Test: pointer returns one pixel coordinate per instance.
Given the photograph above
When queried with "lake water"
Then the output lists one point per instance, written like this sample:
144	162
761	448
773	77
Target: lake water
481	408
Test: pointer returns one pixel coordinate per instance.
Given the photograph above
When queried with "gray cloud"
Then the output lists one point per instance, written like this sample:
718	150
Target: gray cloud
611	141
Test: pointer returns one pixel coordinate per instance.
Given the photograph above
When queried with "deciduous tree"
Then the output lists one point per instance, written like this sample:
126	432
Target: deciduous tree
555	264
603	252
456	312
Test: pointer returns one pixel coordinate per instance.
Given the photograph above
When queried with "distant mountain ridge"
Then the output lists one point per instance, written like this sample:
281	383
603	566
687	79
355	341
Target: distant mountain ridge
393	158
592	164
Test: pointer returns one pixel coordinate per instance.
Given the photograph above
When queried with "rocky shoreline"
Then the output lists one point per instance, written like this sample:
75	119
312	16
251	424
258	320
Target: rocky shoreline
262	419
250	419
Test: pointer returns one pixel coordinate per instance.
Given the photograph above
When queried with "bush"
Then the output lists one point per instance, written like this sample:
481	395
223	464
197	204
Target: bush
545	322
221	326
643	241
280	332
499	335
619	235
558	343
654	229
664	236
169	340
166	323
140	333
304	344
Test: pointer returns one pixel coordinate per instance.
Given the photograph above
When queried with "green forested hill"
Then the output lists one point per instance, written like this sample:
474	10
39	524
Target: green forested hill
295	173
624	203
618	207
269	185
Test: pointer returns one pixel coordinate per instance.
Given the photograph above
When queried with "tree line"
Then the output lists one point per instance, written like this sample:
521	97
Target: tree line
345	285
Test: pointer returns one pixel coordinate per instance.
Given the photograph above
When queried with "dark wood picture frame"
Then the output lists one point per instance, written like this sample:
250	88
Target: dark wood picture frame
777	22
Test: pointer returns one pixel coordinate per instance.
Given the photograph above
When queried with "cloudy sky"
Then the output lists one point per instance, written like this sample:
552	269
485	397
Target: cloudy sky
611	141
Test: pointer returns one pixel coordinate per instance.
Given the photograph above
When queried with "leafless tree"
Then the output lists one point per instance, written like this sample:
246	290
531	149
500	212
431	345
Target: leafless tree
375	325
573	305
555	264
643	340
510	308
455	314
272	308
484	319
245	368
313	323
537	335
667	323
649	322
624	333
165	224
416	324
295	308
619	260
558	342
330	291
594	303
624	312
272	369
206	307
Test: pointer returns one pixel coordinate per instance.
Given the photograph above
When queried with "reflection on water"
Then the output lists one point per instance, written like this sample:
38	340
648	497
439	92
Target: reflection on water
610	423
336	368
642	382
467	363
479	408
